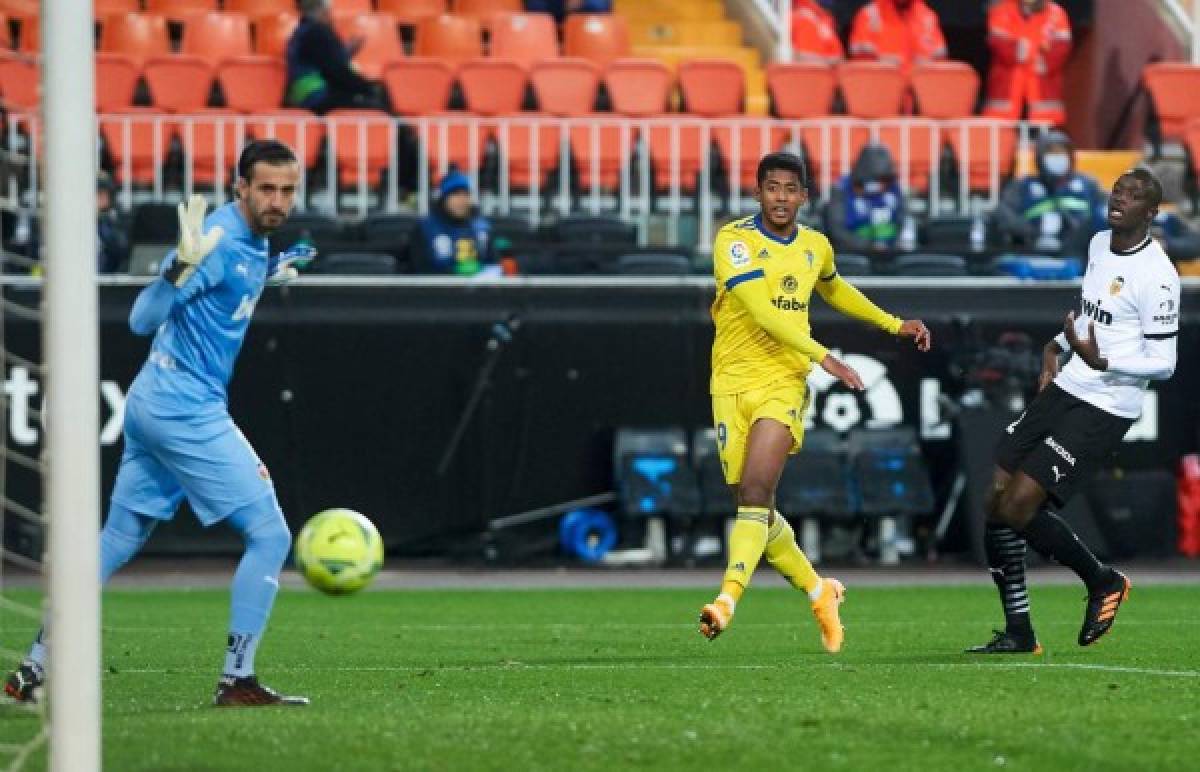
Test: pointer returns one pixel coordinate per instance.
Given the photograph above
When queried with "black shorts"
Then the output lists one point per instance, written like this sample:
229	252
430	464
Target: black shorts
1060	441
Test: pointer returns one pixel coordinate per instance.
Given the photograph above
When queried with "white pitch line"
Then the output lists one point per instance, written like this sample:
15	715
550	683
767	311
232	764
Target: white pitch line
515	666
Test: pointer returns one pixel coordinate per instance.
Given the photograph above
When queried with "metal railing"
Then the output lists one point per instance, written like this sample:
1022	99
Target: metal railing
675	168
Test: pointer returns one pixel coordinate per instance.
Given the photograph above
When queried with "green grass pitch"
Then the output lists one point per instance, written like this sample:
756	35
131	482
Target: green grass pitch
604	679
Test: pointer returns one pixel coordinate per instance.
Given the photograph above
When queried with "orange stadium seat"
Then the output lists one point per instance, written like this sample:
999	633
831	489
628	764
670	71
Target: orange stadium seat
801	90
252	84
351	6
450	142
482	9
272	32
216	36
639	87
517	150
599	37
299	129
6	40
178	83
104	7
1175	89
253	8
565	87
755	139
454	38
712	87
599	146
411	12
526	38
689	139
139	136
19	82
980	143
30	35
492	86
418	86
20	9
364	134
917	152
178	10
116	81
381	42
945	90
872	89
137	35
845	139
200	139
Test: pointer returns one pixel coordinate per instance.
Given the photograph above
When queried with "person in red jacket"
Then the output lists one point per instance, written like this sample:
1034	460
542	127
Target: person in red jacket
814	34
1030	41
899	31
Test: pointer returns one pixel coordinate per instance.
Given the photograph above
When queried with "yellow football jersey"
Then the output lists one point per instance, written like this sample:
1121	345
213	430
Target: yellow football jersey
744	356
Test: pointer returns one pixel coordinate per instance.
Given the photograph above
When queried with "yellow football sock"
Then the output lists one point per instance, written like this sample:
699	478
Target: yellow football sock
746	543
788	559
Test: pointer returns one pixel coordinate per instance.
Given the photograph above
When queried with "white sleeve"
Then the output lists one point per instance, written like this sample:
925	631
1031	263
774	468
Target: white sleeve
1158	306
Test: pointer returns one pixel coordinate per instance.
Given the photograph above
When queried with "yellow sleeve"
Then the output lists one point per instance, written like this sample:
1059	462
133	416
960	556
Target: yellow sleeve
847	298
735	272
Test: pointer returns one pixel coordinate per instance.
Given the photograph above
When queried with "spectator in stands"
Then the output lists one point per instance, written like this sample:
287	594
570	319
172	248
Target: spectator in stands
814	33
897	31
1180	242
1057	210
1030	41
866	210
321	76
453	239
112	239
560	8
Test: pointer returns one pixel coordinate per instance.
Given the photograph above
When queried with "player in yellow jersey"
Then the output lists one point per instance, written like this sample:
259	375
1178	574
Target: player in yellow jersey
766	269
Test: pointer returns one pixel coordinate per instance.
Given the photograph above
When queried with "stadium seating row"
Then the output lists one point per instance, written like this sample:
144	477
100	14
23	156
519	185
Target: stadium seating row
523	37
412	9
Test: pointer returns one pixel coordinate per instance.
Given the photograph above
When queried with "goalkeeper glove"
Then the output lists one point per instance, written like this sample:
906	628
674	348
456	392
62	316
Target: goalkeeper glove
298	255
194	243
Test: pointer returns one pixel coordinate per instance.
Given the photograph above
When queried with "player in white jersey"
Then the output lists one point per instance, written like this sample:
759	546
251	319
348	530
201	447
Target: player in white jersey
1122	337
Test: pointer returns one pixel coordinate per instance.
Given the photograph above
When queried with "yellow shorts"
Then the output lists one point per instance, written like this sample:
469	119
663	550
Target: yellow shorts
734	414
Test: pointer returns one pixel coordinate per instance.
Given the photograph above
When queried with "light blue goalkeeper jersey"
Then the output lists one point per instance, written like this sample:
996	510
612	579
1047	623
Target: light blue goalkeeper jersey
192	357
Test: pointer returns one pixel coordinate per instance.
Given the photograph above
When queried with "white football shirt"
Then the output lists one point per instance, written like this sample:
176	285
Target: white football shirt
1133	299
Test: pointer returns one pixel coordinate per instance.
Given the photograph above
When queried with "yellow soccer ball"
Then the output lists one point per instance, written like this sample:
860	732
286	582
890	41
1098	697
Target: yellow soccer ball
339	551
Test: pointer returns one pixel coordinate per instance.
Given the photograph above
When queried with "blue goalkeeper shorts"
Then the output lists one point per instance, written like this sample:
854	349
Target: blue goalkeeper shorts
201	455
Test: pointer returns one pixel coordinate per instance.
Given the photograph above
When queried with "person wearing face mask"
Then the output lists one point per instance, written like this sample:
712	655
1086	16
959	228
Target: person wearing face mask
898	31
452	239
814	33
1030	41
1055	211
866	210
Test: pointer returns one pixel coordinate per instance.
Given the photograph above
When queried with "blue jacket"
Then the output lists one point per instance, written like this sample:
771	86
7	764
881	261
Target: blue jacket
1072	210
858	220
558	9
449	247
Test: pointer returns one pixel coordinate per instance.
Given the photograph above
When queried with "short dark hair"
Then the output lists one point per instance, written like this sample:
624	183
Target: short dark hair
781	161
1150	182
270	151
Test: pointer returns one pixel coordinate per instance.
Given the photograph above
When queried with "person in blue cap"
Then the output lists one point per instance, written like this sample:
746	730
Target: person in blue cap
452	238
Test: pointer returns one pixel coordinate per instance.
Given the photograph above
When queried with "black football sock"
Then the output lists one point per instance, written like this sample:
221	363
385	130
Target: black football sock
1006	560
1049	535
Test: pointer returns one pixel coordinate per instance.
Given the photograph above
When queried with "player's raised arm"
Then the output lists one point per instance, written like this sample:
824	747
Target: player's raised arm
181	277
849	300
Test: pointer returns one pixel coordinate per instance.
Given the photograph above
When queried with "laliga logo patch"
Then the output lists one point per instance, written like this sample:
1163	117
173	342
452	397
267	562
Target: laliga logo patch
1114	289
739	256
789	284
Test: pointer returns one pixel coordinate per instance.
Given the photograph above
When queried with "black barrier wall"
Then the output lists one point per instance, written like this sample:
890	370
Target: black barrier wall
350	391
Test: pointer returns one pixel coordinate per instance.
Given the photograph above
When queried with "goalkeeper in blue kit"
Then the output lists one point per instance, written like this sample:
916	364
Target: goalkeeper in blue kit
179	438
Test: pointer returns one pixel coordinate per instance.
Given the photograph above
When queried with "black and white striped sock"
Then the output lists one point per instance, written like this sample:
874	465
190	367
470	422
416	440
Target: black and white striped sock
1006	560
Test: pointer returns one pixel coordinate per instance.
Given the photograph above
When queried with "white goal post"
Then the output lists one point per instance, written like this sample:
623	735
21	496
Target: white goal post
71	353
